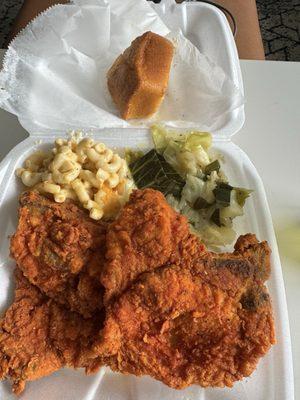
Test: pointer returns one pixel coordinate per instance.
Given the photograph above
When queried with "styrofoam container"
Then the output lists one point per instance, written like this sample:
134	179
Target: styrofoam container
208	29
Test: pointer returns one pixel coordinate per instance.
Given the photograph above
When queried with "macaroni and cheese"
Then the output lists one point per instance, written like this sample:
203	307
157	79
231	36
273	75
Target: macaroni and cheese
81	170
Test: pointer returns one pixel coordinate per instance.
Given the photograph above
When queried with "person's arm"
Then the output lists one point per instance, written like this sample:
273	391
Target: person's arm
29	10
248	38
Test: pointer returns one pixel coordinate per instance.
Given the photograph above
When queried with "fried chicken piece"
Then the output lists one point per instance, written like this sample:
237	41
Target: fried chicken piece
39	336
146	235
232	272
149	234
206	320
175	311
258	253
60	250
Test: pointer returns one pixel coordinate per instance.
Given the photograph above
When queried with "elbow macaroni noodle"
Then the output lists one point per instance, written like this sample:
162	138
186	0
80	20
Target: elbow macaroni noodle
80	170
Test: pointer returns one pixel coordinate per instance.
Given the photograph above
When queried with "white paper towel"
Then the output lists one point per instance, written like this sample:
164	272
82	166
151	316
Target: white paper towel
54	74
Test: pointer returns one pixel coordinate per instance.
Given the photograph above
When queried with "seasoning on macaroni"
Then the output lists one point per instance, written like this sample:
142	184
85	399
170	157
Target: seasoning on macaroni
81	170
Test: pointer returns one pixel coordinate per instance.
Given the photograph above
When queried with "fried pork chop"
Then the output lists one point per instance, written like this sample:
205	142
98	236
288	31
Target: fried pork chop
147	234
39	336
205	322
176	311
60	250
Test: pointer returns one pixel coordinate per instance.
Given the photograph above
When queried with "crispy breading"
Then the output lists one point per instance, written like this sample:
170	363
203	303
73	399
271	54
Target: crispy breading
174	310
60	250
147	234
206	322
258	253
39	336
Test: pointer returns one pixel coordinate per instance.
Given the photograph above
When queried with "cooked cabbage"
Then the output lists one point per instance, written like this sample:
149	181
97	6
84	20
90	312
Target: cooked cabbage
207	200
187	153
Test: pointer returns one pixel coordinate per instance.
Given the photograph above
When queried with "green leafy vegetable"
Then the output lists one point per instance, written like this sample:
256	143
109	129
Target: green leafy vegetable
131	156
216	236
186	153
182	168
201	203
241	195
171	155
222	194
160	138
224	185
213	166
196	139
189	141
215	218
152	171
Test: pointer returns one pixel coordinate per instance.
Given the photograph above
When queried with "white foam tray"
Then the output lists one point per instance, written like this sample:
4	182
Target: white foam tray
207	28
273	380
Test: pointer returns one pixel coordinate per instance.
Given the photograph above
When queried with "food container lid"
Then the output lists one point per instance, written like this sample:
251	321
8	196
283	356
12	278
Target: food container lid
208	29
48	99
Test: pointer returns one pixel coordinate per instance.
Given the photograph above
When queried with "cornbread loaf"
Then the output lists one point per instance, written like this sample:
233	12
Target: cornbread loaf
138	79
